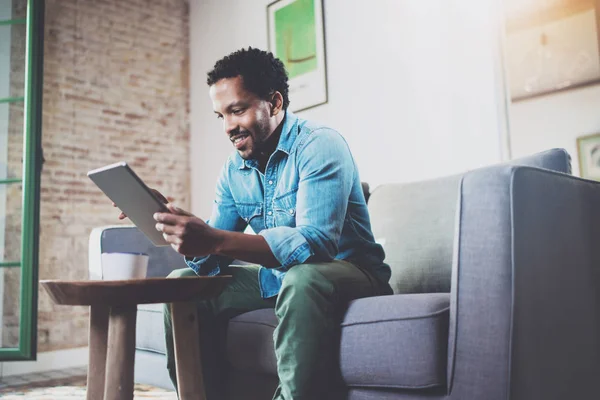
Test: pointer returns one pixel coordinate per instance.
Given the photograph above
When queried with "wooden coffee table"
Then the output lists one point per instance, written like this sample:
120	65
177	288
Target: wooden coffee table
113	310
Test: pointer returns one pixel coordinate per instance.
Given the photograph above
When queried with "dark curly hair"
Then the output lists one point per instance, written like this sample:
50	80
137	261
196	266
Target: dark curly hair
262	73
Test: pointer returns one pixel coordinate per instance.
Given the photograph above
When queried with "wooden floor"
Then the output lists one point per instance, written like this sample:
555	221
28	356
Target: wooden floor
64	385
38	377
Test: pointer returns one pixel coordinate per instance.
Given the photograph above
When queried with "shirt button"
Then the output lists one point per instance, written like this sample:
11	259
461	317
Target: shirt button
270	182
270	213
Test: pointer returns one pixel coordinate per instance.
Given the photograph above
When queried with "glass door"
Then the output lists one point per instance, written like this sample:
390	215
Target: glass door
21	69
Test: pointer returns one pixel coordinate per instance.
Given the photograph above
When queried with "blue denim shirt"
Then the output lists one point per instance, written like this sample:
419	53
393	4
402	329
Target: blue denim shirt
308	205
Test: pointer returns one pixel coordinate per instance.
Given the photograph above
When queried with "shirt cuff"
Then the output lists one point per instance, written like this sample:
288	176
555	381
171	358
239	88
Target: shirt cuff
288	245
204	266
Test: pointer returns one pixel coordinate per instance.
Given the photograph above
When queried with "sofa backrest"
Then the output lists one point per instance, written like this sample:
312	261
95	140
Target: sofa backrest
121	238
415	224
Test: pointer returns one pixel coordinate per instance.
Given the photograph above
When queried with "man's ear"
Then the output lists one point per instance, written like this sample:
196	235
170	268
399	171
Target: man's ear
276	103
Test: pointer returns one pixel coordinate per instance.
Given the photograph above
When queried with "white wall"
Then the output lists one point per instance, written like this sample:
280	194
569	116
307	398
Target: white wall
414	86
555	121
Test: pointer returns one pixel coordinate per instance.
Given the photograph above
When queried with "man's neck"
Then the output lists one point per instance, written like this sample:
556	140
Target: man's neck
270	147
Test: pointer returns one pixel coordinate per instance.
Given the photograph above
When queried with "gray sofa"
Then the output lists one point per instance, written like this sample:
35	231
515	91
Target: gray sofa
496	278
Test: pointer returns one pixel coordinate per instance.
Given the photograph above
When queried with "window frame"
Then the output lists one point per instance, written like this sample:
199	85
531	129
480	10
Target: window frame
32	165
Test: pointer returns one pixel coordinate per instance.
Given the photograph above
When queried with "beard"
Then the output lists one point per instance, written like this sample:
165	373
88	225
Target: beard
255	140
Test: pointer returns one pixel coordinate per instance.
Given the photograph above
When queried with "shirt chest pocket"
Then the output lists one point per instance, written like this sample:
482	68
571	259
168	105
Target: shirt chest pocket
284	209
252	214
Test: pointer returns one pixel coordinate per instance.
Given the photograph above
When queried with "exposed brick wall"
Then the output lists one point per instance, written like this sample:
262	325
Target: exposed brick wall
115	88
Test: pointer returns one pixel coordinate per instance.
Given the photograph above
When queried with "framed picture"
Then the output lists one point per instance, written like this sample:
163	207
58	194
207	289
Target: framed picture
588	151
296	37
551	45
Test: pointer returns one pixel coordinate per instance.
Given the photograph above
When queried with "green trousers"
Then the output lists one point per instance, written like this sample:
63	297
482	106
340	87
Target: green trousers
309	309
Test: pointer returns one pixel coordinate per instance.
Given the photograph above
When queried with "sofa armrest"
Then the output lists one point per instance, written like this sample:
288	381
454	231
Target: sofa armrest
525	321
123	238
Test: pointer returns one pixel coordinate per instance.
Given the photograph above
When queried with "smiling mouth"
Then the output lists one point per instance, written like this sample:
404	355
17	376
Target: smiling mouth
239	140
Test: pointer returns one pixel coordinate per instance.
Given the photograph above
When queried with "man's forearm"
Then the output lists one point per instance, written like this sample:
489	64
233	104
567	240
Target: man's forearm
244	247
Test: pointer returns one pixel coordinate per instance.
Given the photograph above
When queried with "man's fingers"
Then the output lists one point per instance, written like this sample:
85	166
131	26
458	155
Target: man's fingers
172	239
178	211
122	216
168	229
168	218
160	196
173	209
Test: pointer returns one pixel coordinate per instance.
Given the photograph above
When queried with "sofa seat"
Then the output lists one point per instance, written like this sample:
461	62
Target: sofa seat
150	362
398	341
150	332
250	345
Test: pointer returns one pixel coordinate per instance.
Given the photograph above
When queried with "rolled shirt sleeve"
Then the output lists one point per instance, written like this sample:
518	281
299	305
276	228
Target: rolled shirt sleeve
224	216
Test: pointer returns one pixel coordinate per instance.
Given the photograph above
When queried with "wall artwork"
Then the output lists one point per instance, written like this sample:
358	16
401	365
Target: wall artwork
551	45
296	37
588	150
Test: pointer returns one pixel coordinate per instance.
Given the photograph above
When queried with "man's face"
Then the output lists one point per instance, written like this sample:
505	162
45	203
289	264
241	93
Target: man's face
246	117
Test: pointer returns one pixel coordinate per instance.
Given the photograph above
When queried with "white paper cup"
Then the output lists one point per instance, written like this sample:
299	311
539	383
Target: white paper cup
117	266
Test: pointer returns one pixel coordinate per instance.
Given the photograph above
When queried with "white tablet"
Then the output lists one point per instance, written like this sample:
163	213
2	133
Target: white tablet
132	196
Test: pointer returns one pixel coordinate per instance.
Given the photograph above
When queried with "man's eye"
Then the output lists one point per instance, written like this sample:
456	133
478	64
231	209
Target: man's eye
219	116
237	111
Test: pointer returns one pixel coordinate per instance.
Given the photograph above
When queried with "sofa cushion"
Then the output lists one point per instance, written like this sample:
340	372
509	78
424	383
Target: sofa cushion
162	259
396	341
558	160
415	224
250	342
150	330
388	341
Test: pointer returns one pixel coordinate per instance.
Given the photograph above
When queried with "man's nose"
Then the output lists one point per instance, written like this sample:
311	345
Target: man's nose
229	125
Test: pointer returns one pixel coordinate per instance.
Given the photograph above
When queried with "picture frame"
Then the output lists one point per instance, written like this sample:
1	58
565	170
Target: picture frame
588	154
296	36
551	46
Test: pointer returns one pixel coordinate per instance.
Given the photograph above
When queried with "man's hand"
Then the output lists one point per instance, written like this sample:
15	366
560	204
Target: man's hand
156	193
187	234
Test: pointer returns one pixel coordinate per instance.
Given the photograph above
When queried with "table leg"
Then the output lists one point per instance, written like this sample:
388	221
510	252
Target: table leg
121	353
190	382
97	352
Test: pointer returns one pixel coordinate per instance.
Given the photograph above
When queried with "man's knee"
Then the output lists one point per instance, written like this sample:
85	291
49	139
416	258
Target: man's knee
304	288
181	273
305	277
302	274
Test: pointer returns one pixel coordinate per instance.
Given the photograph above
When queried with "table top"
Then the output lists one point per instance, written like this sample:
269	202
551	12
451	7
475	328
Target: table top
135	291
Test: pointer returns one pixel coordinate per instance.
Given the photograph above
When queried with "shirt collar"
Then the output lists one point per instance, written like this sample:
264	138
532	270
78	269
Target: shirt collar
286	140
